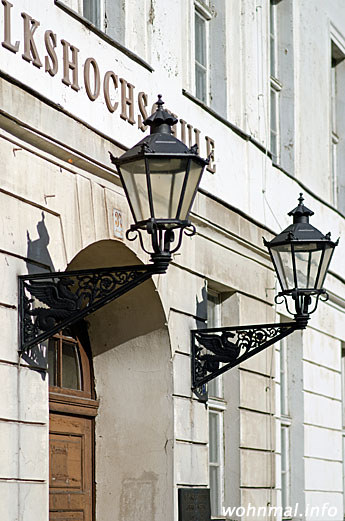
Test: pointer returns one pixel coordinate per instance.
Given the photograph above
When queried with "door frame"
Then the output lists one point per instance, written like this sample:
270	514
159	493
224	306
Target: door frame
82	403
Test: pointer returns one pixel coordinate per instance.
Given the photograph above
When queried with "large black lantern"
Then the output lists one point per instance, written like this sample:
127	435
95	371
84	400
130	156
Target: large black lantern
301	255
160	176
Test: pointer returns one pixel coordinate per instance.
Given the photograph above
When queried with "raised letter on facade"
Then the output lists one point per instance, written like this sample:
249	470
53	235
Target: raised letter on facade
190	134
127	101
197	137
183	130
7	28
110	75
142	102
211	167
70	65
93	93
30	49
50	41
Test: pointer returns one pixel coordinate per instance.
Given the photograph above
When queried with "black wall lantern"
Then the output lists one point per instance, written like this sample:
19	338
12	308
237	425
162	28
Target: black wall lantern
160	176
301	255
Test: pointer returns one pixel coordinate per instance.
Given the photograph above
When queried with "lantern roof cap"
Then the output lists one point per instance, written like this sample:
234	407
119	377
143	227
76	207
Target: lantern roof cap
159	144
160	141
300	230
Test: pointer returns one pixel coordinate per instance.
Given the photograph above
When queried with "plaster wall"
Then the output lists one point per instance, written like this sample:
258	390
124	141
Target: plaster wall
323	421
134	428
314	28
57	196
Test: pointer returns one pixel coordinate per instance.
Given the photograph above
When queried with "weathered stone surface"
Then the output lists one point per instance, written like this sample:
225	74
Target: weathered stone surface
191	422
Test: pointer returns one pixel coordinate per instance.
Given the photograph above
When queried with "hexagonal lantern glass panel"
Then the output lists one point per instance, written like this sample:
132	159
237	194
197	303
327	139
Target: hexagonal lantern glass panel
302	266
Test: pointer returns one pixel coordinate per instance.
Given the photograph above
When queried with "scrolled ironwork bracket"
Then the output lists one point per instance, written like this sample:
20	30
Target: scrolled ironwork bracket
49	302
215	351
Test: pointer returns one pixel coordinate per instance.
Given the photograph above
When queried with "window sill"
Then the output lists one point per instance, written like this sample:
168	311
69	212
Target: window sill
215	403
103	35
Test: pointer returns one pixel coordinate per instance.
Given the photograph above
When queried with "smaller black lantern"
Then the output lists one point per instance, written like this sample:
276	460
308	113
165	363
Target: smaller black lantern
160	176
301	255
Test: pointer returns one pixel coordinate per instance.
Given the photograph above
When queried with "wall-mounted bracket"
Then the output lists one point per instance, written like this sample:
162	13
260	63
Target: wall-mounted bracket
215	351
49	302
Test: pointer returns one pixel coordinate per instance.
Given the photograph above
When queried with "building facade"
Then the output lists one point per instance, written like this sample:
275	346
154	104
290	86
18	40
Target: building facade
111	430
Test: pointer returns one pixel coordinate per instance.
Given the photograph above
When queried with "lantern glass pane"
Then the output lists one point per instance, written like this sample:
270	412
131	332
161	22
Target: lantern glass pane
325	263
134	177
314	268
167	177
307	265
282	258
71	371
194	176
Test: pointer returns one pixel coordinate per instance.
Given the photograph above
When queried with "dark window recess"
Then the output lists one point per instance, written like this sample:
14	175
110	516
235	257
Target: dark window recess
91	11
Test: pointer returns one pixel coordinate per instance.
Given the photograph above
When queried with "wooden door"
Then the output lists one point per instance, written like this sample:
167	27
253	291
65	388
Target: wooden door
72	407
70	470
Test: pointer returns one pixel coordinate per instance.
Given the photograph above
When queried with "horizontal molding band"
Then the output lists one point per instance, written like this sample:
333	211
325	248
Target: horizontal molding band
23	481
23	422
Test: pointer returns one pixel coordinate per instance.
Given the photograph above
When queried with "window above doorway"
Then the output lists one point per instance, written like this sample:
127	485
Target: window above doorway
64	365
69	366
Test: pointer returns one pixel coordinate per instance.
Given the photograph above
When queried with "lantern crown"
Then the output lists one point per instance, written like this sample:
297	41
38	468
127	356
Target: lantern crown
300	230
160	121
301	213
160	140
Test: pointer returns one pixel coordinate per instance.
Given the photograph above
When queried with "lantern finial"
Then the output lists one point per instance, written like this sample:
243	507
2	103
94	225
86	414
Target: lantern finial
160	102
301	213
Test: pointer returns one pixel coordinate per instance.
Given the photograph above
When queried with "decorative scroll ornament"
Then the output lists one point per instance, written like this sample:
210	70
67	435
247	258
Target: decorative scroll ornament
212	348
53	301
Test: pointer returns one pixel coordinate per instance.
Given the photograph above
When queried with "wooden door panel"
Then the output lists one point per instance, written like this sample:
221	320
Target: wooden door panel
66	516
66	461
70	472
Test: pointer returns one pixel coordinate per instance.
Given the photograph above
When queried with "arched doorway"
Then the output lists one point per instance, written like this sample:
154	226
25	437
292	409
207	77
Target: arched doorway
72	409
131	356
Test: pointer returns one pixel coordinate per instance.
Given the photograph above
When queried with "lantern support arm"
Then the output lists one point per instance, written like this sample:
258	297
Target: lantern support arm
49	302
216	350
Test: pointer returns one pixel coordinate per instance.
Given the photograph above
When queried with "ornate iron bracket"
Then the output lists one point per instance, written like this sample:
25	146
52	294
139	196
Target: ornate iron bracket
49	302
212	348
